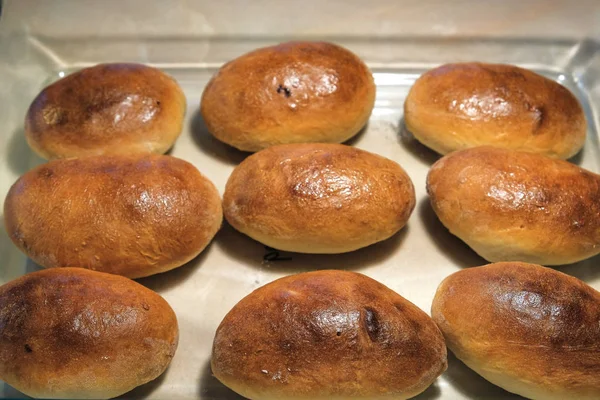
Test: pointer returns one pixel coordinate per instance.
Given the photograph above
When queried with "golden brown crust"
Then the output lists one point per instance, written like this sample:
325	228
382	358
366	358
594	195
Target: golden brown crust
327	335
106	109
75	333
318	198
529	329
515	206
458	106
127	215
294	92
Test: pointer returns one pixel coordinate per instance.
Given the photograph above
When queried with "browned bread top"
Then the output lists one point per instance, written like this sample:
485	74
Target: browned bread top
106	109
318	198
128	215
529	329
295	92
517	206
75	333
327	335
463	105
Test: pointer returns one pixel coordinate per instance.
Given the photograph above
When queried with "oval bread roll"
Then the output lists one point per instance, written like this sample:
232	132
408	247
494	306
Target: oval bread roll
528	329
106	109
318	198
71	333
327	335
294	92
514	206
458	106
127	215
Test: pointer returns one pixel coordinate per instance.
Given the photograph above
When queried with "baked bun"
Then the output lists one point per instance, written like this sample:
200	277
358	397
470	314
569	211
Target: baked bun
294	92
458	106
327	335
318	198
71	333
515	206
528	329
127	215
106	109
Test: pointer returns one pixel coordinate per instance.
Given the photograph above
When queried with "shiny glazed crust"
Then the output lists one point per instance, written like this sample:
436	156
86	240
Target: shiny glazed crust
318	198
515	206
294	92
106	109
458	106
531	330
327	335
75	333
127	215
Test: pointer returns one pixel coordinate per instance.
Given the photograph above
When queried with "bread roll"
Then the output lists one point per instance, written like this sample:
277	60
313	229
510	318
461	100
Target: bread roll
106	109
70	333
327	335
528	329
458	106
127	215
318	198
294	92
514	206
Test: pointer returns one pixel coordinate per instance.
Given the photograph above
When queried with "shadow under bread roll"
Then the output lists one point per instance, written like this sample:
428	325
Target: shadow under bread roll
516	206
464	105
106	109
295	92
327	335
318	198
529	329
128	215
71	333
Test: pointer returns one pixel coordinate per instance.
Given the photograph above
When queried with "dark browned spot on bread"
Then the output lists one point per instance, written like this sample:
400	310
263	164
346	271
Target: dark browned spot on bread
515	74
28	348
574	313
101	104
416	326
532	286
572	316
582	213
411	348
285	90
584	295
13	316
372	323
45	172
285	345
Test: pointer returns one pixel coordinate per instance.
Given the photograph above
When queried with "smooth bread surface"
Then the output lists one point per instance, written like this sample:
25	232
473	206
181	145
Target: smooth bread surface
531	330
516	206
464	105
128	215
295	92
106	109
318	198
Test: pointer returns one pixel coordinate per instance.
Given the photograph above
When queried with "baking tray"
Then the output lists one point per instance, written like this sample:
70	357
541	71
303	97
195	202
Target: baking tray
412	263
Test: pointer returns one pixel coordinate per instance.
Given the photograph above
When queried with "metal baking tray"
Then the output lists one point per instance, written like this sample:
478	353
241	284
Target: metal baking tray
412	263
